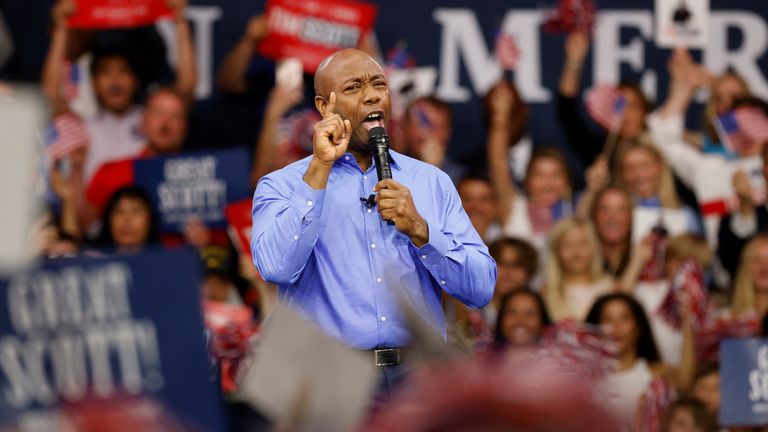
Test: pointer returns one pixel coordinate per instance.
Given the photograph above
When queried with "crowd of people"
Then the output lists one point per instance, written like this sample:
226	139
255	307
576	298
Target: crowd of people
664	207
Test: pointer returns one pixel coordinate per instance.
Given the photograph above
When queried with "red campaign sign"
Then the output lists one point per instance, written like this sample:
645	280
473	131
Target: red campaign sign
104	14
310	30
239	220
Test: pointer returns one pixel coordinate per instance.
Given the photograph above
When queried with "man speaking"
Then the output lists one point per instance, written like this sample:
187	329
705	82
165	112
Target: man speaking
343	259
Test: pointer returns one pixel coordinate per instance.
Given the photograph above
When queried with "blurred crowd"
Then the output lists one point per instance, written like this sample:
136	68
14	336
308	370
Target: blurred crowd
664	248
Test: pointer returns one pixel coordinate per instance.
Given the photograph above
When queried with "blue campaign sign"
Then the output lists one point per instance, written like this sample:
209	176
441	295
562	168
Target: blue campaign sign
194	185
120	338
744	382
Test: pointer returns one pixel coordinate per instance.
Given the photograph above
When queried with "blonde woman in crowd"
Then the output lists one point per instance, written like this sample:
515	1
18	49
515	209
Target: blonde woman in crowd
750	288
641	169
574	275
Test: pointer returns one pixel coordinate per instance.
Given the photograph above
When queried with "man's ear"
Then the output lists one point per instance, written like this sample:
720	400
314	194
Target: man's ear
320	103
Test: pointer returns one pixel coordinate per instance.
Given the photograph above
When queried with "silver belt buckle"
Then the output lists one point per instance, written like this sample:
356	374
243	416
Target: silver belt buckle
387	356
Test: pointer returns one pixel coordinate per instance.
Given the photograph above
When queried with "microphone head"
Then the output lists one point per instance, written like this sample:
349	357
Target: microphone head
377	133
378	141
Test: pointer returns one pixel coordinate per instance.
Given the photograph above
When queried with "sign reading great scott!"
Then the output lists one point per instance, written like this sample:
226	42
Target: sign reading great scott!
104	14
85	339
313	29
744	382
194	185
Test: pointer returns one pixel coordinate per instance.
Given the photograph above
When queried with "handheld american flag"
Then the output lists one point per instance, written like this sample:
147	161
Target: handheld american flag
65	135
741	127
399	58
570	16
605	105
506	50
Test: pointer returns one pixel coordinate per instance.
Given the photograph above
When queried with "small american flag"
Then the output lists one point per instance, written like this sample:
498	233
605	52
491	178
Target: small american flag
743	126
70	80
690	280
570	16
605	105
652	405
398	57
506	50
66	134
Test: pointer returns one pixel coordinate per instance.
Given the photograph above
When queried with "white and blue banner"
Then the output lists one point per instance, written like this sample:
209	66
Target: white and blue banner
194	185
113	339
744	382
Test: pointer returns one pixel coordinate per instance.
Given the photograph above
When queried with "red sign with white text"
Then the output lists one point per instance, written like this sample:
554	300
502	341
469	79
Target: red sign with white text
105	14
239	229
310	30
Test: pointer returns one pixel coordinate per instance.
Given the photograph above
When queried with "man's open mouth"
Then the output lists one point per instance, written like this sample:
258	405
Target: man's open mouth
373	119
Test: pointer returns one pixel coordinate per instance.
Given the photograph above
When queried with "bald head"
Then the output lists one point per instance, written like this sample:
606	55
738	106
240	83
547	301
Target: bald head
326	71
361	93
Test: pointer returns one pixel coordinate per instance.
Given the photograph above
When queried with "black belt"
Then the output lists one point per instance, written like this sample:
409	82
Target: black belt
387	356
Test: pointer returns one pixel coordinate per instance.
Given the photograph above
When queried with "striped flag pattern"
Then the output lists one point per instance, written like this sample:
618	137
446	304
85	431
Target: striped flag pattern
605	105
399	58
66	134
70	80
743	126
506	50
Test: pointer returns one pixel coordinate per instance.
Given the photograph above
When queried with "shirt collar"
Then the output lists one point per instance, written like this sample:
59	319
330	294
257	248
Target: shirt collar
648	202
395	159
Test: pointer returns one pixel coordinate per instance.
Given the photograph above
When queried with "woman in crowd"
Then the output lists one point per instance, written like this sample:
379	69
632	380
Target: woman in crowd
725	91
129	222
706	387
750	288
517	263
687	415
586	144
652	293
547	185
638	360
522	318
611	215
574	275
642	171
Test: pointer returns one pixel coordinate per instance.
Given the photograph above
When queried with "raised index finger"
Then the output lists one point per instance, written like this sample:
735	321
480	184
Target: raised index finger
331	107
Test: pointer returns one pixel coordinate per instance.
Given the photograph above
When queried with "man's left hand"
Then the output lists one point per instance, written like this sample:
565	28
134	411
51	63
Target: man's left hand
395	203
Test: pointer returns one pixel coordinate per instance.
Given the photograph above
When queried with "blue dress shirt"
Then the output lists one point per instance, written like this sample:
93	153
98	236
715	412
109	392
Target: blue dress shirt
341	265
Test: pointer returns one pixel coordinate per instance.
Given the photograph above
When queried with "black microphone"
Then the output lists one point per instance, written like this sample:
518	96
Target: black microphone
378	141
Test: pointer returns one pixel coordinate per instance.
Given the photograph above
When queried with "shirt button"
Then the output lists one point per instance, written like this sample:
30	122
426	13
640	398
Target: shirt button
373	245
378	280
309	203
365	177
424	257
442	282
346	157
383	318
369	210
295	237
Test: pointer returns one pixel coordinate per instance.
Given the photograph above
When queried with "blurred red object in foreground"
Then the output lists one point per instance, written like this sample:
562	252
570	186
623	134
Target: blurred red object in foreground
515	391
